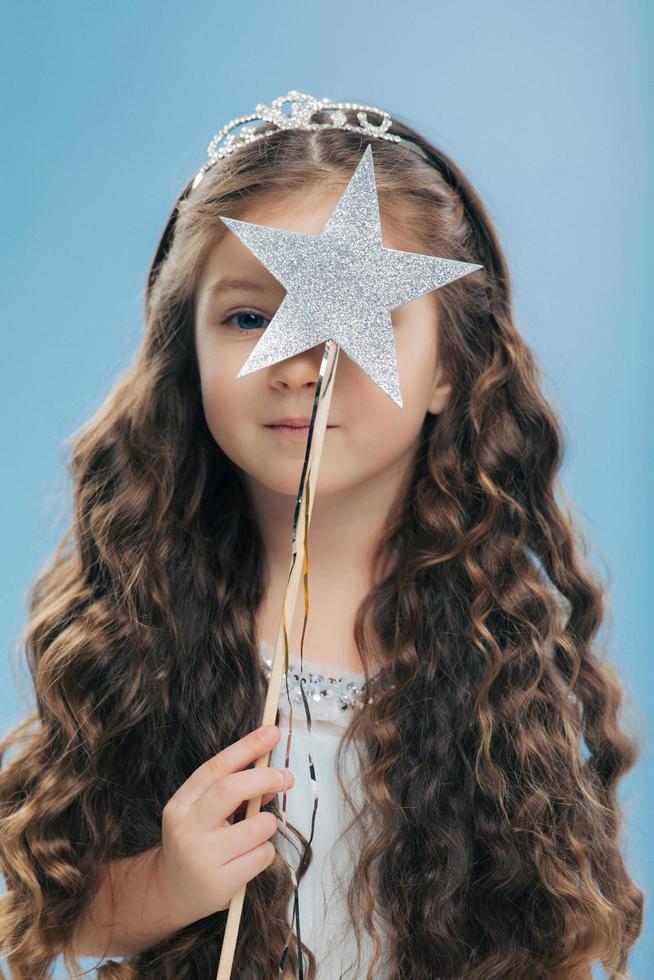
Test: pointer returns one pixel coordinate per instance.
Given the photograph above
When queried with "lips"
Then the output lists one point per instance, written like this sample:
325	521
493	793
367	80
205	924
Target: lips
293	429
292	423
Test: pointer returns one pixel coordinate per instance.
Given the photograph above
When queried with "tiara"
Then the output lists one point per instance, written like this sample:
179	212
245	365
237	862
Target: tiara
303	108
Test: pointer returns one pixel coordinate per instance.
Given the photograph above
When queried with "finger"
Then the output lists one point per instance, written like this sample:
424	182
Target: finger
222	798
240	870
266	798
235	757
242	807
240	838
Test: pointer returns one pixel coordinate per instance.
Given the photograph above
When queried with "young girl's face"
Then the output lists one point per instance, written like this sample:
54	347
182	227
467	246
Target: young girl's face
371	436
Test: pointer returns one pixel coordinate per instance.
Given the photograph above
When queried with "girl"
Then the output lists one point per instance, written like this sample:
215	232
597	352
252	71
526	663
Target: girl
447	589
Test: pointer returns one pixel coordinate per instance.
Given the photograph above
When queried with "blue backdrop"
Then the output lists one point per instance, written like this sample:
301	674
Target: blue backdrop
107	111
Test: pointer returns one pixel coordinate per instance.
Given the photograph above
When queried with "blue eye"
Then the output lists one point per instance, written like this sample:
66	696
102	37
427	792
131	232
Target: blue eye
248	316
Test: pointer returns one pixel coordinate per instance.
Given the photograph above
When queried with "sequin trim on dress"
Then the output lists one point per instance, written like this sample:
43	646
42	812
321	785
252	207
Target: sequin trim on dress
347	690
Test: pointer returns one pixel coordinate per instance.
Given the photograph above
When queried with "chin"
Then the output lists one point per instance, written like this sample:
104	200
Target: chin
287	483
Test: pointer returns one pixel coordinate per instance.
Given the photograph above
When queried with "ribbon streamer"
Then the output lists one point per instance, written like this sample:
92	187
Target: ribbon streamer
301	522
312	771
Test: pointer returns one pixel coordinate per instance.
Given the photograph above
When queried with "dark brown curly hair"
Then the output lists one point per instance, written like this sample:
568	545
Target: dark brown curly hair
490	830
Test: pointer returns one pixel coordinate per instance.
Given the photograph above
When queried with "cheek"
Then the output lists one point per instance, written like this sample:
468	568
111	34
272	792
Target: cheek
377	427
384	433
391	435
223	402
417	366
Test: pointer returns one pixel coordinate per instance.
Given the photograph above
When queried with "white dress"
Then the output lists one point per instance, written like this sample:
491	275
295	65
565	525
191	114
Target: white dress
324	920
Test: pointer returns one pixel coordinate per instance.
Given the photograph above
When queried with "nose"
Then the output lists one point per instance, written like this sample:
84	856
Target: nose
299	370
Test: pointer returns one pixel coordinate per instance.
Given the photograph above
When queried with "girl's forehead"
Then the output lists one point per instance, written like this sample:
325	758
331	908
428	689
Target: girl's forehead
228	263
305	211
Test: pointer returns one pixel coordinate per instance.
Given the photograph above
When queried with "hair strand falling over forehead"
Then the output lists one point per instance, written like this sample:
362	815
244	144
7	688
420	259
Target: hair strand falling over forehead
490	834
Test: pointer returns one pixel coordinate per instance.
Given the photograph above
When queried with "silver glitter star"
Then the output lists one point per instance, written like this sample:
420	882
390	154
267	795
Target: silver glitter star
342	284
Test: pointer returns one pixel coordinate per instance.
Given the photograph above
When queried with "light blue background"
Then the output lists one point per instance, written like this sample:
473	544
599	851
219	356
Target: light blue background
107	111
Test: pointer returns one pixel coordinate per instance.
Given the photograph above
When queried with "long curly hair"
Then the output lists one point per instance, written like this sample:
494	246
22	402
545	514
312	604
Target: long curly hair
490	760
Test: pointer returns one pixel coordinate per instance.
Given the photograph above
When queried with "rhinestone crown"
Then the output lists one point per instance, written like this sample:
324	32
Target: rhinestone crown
303	108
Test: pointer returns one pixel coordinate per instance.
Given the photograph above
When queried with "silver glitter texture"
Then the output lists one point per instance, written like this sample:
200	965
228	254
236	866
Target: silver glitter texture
342	284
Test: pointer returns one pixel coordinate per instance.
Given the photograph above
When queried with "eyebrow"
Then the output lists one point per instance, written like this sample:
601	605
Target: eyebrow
233	282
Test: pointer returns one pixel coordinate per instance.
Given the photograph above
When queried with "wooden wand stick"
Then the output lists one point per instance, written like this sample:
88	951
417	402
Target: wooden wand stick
315	439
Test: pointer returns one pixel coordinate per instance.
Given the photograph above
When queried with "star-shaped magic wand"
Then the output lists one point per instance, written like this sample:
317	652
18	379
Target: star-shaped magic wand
341	286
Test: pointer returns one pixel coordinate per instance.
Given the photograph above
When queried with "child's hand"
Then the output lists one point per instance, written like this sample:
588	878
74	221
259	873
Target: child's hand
204	858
